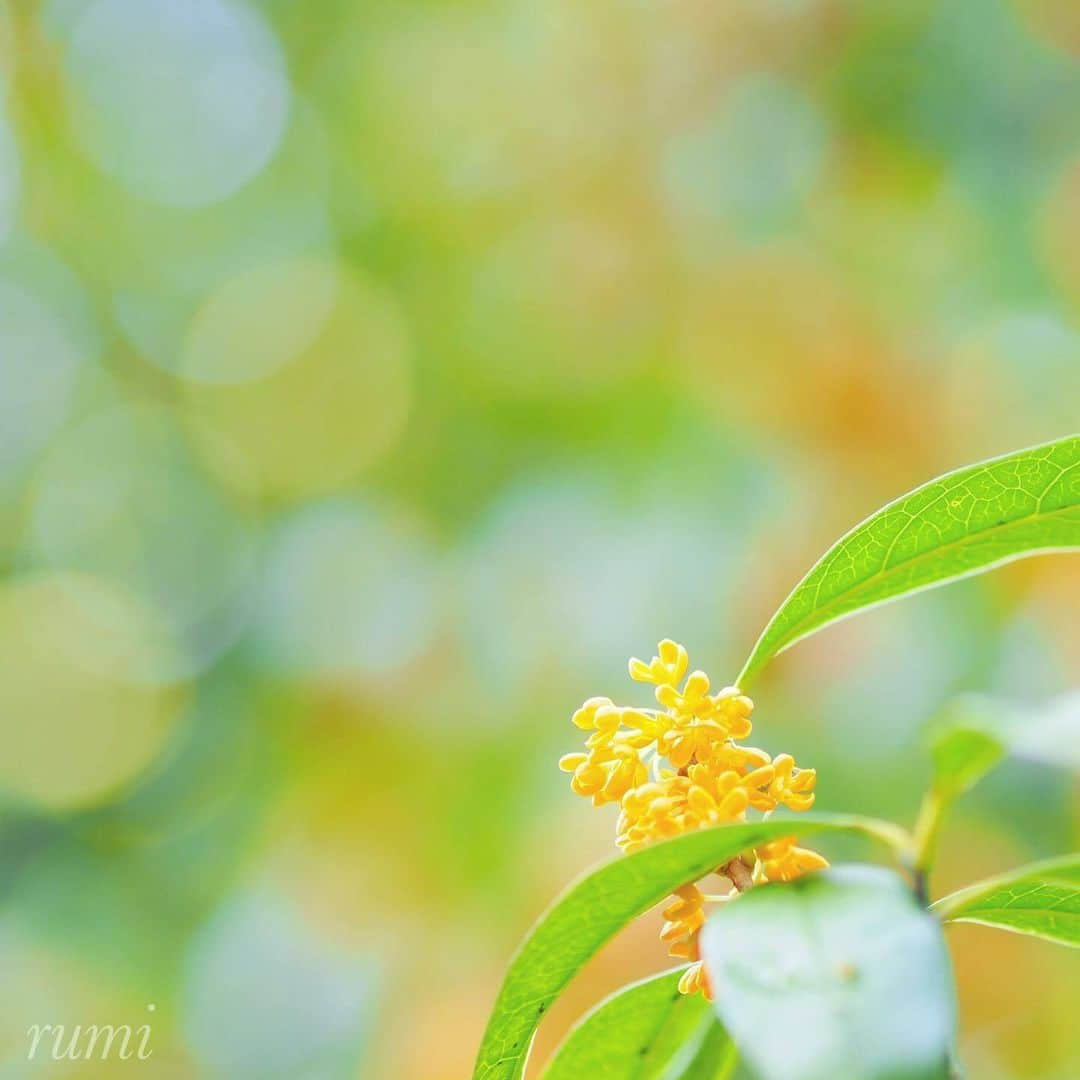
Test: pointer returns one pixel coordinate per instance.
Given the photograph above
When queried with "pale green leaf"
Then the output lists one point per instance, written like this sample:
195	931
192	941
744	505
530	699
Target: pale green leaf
963	752
976	730
1045	731
1042	900
632	1035
599	904
839	974
962	523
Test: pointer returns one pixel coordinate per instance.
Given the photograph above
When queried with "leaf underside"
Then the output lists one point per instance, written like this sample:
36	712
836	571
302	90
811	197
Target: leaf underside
1042	900
962	523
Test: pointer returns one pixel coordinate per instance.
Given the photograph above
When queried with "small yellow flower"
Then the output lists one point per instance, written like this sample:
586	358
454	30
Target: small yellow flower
585	717
664	670
695	980
680	768
607	772
781	860
685	916
791	786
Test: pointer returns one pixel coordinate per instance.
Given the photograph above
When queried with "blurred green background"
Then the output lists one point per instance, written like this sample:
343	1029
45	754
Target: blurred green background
375	378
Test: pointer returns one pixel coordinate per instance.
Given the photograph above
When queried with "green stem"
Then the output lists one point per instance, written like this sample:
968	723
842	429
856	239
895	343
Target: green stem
924	840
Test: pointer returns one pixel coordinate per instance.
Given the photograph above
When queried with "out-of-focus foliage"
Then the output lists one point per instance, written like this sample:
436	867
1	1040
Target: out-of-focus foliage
963	748
841	973
375	377
975	730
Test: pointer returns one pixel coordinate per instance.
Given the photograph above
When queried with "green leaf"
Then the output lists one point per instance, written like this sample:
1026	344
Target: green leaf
839	974
599	904
962	523
1042	900
715	1059
632	1035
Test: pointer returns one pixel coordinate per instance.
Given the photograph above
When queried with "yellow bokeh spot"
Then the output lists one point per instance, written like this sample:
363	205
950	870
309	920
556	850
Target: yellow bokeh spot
258	321
81	706
296	378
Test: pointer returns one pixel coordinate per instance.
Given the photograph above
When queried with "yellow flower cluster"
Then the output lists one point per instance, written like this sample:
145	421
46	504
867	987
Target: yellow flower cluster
679	768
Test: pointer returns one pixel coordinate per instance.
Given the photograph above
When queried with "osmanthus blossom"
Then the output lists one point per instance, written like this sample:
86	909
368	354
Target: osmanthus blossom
680	767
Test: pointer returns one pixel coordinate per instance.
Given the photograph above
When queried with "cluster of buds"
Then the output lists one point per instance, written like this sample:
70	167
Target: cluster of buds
679	768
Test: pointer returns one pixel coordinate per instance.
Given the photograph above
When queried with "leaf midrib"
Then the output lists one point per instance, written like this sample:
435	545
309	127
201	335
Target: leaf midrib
644	1066
1009	909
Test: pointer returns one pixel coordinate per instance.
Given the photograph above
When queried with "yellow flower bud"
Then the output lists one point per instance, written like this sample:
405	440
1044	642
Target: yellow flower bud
700	801
761	777
674	658
607	717
782	860
666	669
585	717
734	804
697	686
